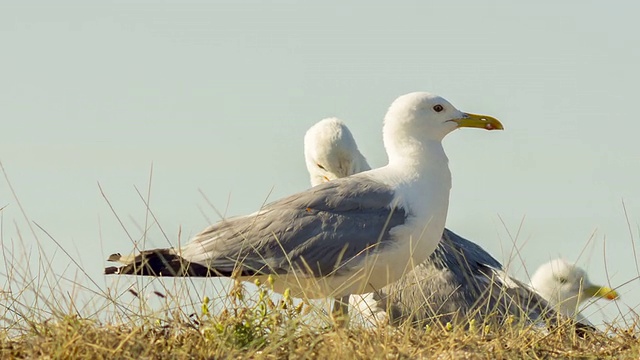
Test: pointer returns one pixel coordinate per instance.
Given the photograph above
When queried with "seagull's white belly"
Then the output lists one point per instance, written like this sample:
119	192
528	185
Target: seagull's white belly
391	265
417	239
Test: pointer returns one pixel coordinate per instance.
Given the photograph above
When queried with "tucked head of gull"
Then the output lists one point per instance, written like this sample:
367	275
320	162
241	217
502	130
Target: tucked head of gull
566	286
346	236
330	152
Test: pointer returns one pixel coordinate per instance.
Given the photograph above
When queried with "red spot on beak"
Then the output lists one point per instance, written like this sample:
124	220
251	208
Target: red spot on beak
611	296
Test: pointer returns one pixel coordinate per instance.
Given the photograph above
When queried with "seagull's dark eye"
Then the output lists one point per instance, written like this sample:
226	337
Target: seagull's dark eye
438	108
321	167
562	280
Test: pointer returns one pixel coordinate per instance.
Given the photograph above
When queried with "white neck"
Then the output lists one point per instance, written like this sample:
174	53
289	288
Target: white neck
421	172
420	157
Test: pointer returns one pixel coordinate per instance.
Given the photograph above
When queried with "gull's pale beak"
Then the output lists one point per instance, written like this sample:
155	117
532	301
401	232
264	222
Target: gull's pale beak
601	292
479	121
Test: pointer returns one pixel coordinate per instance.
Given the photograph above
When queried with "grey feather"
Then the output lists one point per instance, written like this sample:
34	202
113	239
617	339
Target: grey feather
324	230
460	281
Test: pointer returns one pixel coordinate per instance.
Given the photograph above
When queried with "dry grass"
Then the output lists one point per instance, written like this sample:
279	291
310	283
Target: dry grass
72	337
261	327
45	313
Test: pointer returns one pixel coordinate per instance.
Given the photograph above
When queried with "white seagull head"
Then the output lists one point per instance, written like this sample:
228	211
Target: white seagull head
330	152
419	118
565	286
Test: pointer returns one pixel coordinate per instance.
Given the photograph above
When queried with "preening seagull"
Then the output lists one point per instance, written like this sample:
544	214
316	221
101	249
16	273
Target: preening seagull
347	236
331	152
566	286
458	282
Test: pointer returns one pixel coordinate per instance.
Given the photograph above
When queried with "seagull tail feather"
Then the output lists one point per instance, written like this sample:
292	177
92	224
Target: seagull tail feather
157	262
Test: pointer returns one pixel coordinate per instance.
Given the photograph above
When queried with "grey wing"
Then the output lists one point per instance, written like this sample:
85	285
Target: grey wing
458	282
492	291
322	230
473	254
445	287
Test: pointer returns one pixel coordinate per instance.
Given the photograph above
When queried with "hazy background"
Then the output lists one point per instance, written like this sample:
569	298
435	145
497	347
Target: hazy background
218	96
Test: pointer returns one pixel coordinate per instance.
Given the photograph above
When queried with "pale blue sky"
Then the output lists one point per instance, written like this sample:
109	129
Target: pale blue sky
218	95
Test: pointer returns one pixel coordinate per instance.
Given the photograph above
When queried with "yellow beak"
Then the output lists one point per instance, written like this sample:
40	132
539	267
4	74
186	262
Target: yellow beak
479	121
601	292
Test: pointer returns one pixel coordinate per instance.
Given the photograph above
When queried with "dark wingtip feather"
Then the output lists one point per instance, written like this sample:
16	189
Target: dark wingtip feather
159	262
114	257
165	262
110	270
583	330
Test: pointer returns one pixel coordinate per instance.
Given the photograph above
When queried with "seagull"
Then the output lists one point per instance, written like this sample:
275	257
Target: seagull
331	152
460	281
565	286
348	236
